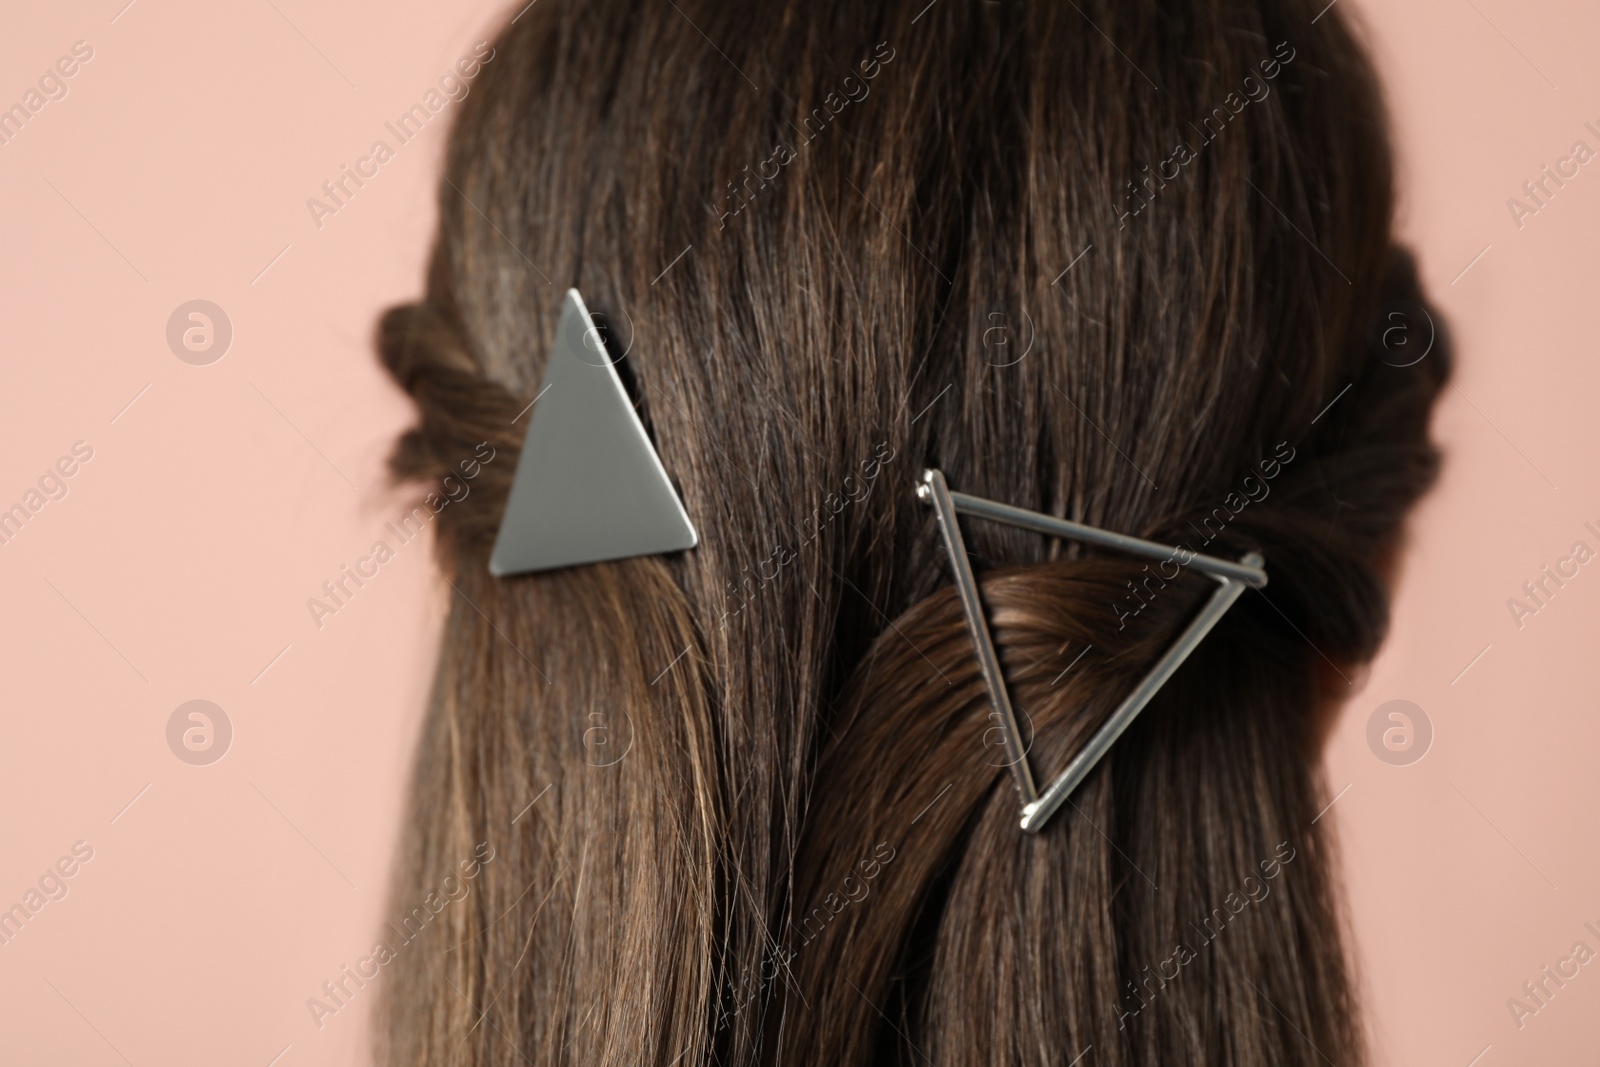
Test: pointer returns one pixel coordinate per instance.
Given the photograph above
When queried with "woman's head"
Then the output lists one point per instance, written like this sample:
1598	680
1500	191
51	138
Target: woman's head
1115	262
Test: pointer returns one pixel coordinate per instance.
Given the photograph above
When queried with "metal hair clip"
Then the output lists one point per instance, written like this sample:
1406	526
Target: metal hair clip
1234	578
589	486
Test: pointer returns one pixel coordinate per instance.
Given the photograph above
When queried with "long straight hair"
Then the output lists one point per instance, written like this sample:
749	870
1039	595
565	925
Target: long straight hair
1128	263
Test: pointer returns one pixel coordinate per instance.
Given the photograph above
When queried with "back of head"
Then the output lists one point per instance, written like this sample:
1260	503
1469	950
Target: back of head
1107	261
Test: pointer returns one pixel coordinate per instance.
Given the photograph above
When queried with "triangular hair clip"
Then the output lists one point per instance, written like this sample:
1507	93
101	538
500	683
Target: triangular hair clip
1234	577
589	486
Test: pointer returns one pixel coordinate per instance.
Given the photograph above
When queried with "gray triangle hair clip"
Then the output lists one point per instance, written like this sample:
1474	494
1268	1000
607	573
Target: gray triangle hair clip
589	486
1234	577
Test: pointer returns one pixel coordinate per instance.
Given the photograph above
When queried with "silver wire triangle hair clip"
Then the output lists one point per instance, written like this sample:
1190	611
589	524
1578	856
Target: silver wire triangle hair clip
589	486
1234	578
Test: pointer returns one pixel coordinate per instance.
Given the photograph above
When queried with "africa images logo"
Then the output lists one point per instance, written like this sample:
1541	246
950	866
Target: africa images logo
453	87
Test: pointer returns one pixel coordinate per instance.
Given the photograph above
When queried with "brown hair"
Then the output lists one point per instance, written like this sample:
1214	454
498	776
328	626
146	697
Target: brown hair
1114	261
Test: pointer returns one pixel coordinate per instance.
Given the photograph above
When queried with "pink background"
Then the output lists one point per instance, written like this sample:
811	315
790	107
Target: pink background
178	565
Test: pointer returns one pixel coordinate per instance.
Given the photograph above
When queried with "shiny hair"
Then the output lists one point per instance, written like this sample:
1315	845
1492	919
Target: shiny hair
1113	261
